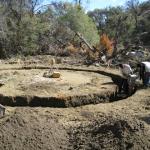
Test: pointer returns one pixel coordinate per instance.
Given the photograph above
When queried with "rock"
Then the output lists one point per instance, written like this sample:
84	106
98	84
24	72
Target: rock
97	64
51	74
55	75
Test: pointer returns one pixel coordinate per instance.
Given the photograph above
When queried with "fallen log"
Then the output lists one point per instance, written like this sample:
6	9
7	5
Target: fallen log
84	40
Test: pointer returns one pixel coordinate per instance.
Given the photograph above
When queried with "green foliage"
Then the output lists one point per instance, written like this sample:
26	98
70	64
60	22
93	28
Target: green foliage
76	19
23	30
144	22
113	21
31	29
124	23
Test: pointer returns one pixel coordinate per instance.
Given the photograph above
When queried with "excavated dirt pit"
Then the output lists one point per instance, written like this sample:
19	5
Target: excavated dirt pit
117	126
73	88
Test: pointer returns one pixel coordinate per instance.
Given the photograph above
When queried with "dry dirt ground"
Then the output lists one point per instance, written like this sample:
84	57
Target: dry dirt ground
31	82
76	86
118	125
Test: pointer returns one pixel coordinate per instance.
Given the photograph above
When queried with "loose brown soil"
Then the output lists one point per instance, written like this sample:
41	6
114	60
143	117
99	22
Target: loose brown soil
123	124
21	130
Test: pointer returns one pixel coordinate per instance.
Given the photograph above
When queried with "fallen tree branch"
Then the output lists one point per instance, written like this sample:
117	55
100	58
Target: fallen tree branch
84	40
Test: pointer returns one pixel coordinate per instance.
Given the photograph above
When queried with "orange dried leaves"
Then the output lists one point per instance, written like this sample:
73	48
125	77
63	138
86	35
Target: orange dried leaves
107	44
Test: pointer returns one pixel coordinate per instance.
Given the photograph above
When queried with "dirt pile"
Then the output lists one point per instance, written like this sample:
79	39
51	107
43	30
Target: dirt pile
110	134
26	131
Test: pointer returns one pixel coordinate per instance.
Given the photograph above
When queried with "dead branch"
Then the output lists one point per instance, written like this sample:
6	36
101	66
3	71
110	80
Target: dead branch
84	40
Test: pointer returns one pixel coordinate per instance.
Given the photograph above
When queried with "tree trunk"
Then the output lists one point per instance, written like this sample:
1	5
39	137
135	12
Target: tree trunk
84	40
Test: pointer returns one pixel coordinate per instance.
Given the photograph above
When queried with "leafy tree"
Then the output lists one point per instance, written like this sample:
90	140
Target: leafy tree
133	7
27	28
140	19
143	30
113	21
78	21
22	29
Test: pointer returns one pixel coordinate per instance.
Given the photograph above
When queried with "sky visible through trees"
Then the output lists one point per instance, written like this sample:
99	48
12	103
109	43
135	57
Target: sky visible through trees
93	4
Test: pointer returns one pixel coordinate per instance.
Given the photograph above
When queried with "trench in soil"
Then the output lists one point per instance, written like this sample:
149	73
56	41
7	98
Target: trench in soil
70	101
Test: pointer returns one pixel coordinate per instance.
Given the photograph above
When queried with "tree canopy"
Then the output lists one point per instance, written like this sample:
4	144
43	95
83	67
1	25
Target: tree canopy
28	28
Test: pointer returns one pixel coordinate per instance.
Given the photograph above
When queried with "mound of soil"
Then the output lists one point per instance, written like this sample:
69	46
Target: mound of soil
26	131
112	134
